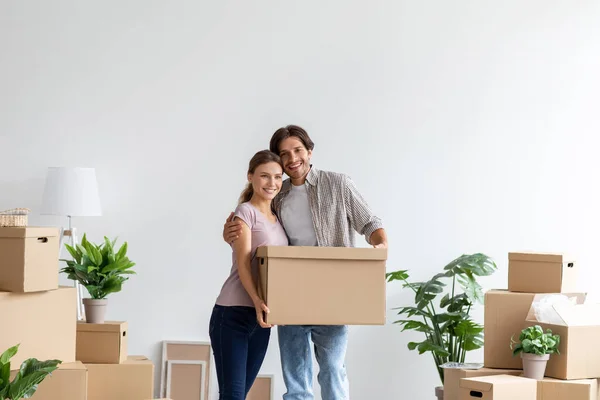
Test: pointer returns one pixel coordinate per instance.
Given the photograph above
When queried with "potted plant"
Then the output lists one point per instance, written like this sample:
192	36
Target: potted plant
100	270
445	322
26	381
535	347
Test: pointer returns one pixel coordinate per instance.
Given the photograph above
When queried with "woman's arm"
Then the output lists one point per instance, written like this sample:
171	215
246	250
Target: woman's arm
243	248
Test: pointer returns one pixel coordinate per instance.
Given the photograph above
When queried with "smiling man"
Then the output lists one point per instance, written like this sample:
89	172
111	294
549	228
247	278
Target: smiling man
316	208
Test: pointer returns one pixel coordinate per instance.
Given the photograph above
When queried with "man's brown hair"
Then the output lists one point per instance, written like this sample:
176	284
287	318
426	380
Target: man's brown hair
288	131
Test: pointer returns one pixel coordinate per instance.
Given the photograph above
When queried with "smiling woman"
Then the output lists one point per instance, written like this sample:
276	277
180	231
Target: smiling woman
238	332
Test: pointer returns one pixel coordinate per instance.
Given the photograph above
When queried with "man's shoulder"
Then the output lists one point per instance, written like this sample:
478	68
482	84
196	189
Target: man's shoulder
332	177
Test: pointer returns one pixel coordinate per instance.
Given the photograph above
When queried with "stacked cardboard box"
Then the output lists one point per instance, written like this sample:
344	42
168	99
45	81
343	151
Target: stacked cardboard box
36	313
571	375
41	317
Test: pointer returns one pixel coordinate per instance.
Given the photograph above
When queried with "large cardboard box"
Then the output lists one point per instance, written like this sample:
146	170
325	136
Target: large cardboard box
43	323
579	330
323	285
498	387
28	259
541	273
102	343
452	377
504	316
131	380
555	389
68	382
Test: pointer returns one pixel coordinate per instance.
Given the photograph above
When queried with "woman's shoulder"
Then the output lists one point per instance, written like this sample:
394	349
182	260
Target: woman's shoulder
246	212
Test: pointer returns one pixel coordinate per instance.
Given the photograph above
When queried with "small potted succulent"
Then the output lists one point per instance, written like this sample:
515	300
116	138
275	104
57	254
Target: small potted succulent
101	270
27	379
535	347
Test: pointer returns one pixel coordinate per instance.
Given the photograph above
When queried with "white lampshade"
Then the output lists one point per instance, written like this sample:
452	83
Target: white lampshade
71	192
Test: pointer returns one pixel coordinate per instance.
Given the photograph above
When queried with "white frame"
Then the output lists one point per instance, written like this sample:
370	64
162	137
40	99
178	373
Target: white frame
164	361
186	362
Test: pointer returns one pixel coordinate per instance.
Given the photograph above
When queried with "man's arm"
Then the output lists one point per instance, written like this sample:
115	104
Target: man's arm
361	217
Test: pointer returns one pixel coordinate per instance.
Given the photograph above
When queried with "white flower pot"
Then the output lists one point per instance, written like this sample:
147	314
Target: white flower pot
95	310
534	366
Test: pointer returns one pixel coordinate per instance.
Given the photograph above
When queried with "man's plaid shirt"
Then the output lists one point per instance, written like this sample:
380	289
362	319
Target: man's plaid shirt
338	209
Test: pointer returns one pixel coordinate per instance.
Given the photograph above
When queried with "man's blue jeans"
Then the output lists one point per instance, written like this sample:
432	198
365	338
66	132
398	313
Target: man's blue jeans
330	342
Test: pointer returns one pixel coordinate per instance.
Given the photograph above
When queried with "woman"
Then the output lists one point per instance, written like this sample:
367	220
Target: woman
239	336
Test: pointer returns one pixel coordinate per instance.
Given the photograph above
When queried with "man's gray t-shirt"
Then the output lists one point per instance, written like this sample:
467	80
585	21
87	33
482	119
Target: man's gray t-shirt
296	217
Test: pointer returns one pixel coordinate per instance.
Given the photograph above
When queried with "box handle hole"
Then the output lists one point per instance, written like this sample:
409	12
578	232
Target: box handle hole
473	393
42	239
124	333
262	261
570	265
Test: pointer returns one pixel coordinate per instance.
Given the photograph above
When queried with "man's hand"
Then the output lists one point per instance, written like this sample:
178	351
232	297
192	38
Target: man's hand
378	239
231	229
380	246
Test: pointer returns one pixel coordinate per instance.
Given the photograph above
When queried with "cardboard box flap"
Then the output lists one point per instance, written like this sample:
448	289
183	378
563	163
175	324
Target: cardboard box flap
73	366
137	360
107	326
475	384
540	257
19	232
579	299
324	253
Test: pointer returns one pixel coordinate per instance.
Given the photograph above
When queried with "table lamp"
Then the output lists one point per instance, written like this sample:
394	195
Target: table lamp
71	192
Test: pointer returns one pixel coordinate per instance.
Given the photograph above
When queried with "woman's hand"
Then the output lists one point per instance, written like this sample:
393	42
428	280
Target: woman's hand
261	308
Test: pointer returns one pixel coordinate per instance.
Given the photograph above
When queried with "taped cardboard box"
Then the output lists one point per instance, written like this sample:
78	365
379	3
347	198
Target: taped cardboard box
68	382
541	273
43	323
555	389
498	387
28	259
579	329
104	343
452	377
131	380
323	285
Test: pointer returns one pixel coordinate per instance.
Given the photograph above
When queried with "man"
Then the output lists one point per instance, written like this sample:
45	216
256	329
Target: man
316	208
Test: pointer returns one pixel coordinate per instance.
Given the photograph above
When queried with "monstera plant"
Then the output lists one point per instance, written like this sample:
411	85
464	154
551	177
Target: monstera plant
27	379
442	306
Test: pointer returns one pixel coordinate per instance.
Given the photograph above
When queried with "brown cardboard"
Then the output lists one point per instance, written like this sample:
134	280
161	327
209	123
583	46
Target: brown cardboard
541	273
579	331
323	285
131	380
185	379
261	389
43	323
554	389
28	259
68	382
452	377
102	343
504	315
498	387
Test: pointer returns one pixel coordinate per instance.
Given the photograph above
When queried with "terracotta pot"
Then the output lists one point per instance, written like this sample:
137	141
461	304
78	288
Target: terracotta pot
95	310
534	366
439	392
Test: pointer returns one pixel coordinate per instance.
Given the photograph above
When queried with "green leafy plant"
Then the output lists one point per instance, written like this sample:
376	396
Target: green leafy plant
447	325
98	267
26	381
533	340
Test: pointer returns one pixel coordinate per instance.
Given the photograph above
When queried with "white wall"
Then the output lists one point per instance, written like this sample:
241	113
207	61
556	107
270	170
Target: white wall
469	126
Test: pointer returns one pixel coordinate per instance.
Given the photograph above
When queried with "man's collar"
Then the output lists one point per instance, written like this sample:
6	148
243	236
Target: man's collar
312	178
